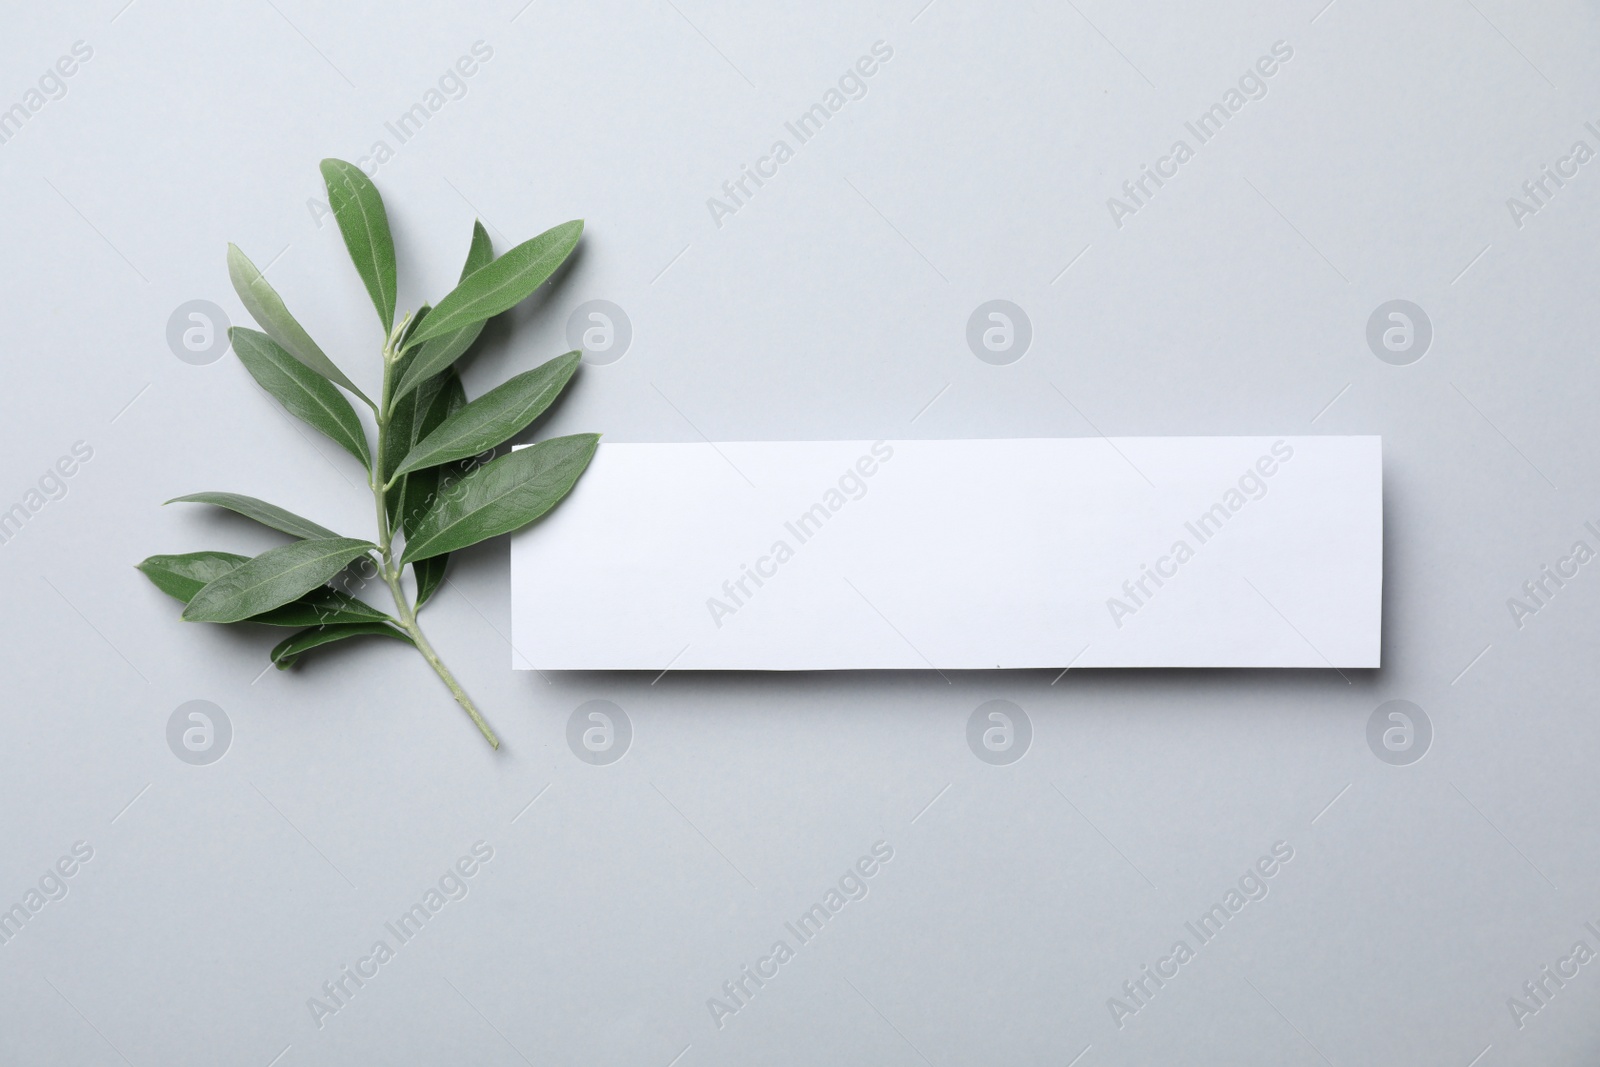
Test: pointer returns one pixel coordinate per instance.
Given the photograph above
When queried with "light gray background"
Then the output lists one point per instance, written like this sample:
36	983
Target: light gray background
833	305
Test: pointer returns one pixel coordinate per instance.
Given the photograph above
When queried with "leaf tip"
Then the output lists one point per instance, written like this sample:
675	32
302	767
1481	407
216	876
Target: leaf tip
335	168
240	270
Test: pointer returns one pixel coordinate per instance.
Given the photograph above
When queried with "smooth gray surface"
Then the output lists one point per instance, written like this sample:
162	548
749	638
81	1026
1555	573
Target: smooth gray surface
834	304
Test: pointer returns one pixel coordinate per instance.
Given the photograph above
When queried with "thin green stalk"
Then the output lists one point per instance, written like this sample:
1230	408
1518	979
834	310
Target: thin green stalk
391	572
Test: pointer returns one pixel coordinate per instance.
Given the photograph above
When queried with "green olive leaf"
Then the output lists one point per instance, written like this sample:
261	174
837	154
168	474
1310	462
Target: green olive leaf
394	443
308	396
413	417
480	250
430	576
503	495
273	579
495	416
358	208
502	284
261	511
436	401
441	352
182	576
267	308
323	606
290	650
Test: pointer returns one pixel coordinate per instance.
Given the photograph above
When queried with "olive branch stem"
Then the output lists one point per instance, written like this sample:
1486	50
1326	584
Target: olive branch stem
391	573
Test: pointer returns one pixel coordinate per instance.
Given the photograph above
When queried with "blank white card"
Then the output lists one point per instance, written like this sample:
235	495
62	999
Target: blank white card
851	555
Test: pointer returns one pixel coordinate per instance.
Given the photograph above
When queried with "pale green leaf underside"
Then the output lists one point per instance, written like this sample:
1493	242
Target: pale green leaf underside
259	510
267	308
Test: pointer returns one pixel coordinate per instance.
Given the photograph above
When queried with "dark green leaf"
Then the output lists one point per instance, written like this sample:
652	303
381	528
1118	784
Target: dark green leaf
306	395
430	575
267	308
439	398
437	354
502	284
365	225
501	496
403	411
323	606
493	417
441	352
185	575
416	415
285	654
480	251
259	510
272	579
392	449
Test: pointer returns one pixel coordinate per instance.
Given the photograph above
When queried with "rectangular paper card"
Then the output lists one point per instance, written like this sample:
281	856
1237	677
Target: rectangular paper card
958	555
